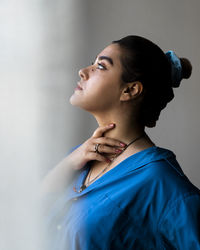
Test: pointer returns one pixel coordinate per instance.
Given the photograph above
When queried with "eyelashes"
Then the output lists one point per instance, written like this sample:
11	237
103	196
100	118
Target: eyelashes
100	66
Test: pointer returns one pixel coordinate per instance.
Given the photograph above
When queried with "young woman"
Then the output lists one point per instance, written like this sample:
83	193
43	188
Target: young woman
123	191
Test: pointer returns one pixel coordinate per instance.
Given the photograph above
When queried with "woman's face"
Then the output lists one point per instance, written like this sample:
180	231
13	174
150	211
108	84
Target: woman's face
100	84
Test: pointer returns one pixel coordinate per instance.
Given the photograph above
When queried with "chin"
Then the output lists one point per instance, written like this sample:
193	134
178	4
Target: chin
75	101
87	105
72	100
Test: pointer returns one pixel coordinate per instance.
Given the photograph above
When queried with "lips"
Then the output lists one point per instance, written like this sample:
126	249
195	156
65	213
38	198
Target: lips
78	87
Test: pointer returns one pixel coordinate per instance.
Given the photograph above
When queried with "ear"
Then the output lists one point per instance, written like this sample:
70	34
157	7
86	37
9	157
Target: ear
131	91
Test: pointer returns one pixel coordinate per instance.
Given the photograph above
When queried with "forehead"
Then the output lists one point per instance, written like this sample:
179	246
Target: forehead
114	52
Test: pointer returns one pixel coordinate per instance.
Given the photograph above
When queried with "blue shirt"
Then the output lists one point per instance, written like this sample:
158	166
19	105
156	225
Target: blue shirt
145	202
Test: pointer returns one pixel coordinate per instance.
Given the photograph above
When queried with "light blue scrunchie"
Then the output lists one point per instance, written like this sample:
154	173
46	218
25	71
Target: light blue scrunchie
176	68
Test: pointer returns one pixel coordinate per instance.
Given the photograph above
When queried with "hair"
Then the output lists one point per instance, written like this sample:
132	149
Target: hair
144	61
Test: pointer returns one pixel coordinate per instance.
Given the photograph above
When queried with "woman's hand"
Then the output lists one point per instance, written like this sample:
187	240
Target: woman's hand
58	177
86	152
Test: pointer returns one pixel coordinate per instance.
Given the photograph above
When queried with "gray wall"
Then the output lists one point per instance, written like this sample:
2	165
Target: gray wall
43	45
172	25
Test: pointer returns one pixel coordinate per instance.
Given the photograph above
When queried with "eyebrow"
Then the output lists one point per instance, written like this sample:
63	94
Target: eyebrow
106	58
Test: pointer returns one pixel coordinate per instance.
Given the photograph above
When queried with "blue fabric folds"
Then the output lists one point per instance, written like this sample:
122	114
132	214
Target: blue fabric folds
145	202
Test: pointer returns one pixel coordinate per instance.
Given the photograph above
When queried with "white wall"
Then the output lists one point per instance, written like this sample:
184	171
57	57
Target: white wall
40	42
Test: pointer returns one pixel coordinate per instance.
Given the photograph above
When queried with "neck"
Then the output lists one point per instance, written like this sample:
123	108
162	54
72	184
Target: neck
125	130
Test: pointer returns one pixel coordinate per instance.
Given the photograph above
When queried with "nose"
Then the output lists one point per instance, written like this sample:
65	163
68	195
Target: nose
83	73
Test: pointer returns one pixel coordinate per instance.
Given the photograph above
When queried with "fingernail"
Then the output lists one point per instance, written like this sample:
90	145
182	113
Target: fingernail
111	125
108	160
122	144
118	150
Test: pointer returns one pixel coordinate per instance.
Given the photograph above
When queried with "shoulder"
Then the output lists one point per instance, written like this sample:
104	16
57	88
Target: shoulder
179	225
157	173
173	188
178	201
165	181
164	169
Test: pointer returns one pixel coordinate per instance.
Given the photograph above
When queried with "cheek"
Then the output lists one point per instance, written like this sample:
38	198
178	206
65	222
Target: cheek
98	94
103	84
102	91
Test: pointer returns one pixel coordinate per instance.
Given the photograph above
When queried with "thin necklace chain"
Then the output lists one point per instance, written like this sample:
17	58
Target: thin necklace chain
90	181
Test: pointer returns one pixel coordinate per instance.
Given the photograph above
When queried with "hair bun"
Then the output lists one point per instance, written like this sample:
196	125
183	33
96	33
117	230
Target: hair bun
180	68
186	68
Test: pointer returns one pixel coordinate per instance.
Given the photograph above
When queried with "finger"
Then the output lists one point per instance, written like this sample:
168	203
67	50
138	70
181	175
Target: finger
95	156
110	142
100	130
109	150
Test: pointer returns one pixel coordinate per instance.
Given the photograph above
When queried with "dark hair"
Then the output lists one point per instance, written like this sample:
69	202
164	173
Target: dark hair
144	61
